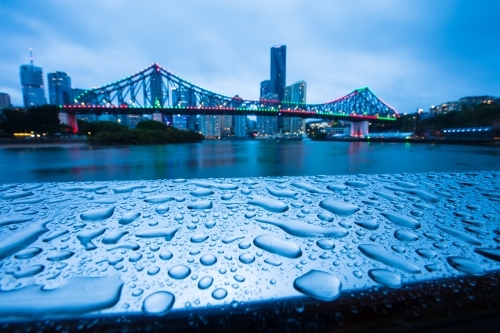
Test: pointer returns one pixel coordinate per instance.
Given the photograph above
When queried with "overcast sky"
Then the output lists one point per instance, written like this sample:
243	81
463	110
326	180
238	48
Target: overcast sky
411	53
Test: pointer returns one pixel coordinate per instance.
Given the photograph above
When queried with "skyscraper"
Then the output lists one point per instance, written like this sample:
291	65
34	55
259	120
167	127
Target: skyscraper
4	100
278	70
32	84
295	93
60	92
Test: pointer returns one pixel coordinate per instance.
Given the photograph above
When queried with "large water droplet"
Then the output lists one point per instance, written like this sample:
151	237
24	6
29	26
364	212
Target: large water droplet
54	235
387	195
129	217
159	199
302	229
114	236
127	188
208	260
199	238
370	224
337	187
76	296
419	193
231	239
179	272
85	238
385	277
378	253
271	205
219	293
466	265
30	252
405	236
324	216
272	262
282	193
325	244
162	209
425	253
166	255
18	195
278	246
460	235
168	233
338	207
205	282
98	214
402	220
307	187
202	204
61	255
357	183
158	303
26	272
10	220
493	254
201	192
247	258
319	285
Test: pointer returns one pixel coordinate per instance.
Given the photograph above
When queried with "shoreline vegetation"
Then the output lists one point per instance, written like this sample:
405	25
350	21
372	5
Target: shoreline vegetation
146	133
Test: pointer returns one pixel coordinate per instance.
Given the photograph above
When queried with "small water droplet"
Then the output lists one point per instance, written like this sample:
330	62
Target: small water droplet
208	260
205	282
179	272
219	293
247	258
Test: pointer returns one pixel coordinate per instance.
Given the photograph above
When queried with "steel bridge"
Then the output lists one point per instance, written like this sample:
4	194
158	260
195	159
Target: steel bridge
156	90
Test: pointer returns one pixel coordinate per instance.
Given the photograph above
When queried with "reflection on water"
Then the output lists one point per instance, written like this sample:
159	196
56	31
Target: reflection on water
223	159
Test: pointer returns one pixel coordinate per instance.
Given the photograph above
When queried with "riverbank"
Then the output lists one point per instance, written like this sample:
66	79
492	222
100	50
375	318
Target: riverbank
421	141
55	142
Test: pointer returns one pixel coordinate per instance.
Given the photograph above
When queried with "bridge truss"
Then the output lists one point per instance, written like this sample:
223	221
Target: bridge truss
154	89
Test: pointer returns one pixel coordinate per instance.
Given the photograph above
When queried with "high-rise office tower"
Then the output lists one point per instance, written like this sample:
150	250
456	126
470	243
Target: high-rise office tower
295	93
60	92
4	100
209	126
278	70
32	84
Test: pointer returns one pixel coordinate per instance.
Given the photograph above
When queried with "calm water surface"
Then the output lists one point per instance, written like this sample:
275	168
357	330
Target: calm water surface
223	159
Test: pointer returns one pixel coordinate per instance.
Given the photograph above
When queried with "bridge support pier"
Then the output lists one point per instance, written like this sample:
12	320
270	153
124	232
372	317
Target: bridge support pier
359	128
69	119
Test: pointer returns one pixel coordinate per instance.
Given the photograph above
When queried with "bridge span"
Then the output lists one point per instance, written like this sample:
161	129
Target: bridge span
154	90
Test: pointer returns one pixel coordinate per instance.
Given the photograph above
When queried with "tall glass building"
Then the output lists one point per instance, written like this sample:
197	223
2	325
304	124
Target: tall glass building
278	70
60	92
32	85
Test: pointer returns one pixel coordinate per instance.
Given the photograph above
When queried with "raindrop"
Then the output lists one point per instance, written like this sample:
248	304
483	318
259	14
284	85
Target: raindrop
30	252
26	272
460	235
202	204
278	246
129	217
153	270
85	238
357	183
319	285
466	265
205	282
307	187
302	229
272	262
271	205
493	254
378	253
398	249
201	192
282	193
247	258
167	233
325	244
338	207
54	235
370	224
159	199
432	268
244	245
162	209
402	220
199	238
10	220
97	214
114	236
210	224
219	293
229	240
208	260
135	257
61	255
239	278
476	230
324	216
179	272
158	303
405	236
425	253
385	277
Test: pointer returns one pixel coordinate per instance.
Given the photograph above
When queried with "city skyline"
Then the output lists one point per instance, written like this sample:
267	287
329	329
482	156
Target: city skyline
433	56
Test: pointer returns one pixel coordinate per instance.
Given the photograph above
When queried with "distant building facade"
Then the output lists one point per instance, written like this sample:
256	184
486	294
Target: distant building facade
5	101
278	70
32	85
60	92
295	93
209	126
464	103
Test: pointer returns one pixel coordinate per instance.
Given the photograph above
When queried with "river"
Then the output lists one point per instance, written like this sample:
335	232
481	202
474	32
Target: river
227	159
